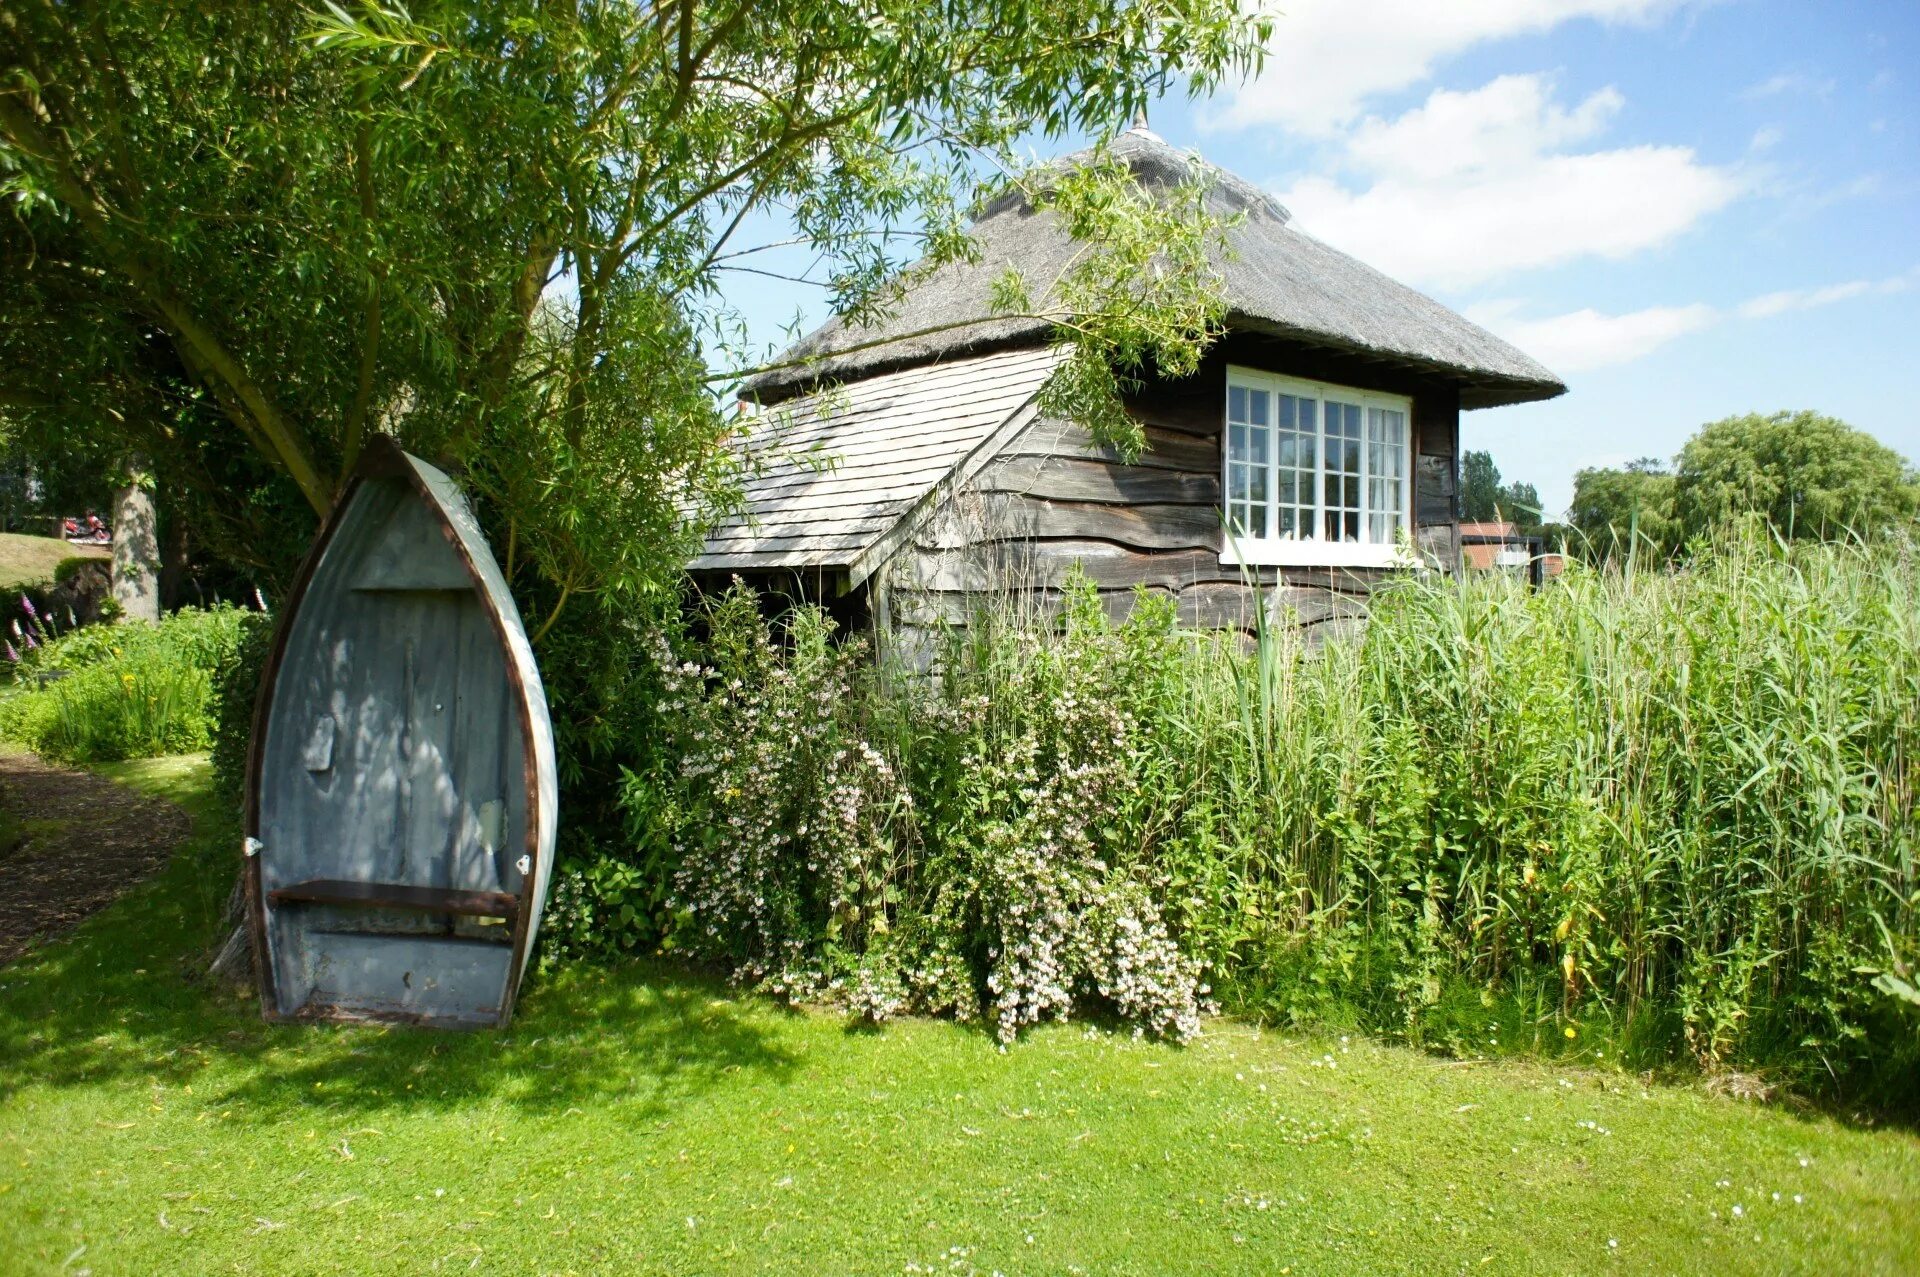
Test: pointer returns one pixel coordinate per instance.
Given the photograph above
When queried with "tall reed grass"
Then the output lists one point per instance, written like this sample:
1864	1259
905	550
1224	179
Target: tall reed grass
1681	804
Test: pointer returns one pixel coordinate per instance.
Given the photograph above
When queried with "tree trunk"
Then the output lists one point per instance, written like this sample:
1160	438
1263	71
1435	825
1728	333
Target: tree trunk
136	554
175	562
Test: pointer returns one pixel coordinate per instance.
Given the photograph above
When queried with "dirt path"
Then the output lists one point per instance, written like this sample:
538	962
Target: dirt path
70	842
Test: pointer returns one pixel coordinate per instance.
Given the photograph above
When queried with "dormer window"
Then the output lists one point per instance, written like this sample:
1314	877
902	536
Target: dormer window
1315	474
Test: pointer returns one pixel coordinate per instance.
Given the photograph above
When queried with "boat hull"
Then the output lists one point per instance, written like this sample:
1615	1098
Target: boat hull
402	795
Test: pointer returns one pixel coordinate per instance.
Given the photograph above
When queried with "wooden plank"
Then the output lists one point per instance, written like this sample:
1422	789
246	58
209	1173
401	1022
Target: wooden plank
744	560
446	901
856	504
1047	564
1204	606
1165	450
858	530
956	480
1069	479
908	397
1002	516
1433	490
931	455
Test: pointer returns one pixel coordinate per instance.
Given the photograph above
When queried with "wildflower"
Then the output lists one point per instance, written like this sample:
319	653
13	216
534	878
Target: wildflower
1571	1033
12	655
27	605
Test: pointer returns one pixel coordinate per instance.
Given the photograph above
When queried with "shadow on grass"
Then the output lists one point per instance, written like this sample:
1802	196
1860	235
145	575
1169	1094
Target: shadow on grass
121	1001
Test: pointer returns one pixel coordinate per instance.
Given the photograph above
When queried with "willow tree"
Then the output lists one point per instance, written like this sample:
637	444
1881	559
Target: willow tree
241	238
503	230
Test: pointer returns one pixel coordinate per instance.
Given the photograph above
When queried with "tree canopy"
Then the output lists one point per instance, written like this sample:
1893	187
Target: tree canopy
1485	498
243	237
1615	510
1809	476
1804	475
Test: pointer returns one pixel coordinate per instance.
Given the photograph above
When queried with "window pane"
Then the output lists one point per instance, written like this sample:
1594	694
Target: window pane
1284	527
1236	442
1236	403
1258	446
1237	482
1257	401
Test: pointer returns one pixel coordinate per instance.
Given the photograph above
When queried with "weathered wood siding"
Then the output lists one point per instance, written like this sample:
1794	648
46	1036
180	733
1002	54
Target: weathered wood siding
1053	498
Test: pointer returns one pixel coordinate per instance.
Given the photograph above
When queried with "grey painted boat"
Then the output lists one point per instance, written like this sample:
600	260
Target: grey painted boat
401	789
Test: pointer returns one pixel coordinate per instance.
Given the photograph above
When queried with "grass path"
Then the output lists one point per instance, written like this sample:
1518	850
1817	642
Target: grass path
643	1120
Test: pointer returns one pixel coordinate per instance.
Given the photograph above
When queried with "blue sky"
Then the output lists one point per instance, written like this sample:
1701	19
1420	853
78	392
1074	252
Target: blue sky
1687	209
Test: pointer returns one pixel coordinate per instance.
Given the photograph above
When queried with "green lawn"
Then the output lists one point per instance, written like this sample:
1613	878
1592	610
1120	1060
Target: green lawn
643	1120
26	560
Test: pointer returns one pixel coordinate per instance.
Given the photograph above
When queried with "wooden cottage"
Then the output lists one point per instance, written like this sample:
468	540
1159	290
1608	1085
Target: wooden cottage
1316	449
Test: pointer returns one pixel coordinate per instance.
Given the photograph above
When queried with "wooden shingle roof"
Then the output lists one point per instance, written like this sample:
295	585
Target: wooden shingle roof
843	471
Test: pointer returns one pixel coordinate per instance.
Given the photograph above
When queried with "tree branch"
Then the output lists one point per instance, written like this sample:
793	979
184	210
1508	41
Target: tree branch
20	127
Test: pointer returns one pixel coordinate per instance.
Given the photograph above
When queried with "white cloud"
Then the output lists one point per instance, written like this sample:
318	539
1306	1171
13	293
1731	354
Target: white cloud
1474	185
1790	82
1503	124
1328	57
1582	340
1787	299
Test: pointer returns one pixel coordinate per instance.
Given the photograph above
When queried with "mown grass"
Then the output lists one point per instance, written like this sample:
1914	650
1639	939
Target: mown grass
644	1119
30	560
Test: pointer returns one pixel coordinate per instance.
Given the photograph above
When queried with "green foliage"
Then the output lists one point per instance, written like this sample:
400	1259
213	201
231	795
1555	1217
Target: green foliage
1665	812
242	238
117	692
1806	475
1485	499
392	270
1628	512
235	676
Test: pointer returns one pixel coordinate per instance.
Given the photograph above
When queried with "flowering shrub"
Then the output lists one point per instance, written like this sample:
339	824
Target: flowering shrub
789	826
911	846
1031	790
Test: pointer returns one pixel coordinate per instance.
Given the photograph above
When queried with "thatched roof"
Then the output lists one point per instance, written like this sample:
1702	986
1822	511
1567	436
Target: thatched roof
1277	279
844	470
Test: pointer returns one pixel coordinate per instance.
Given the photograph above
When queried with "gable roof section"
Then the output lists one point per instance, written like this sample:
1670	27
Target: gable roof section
1276	279
845	469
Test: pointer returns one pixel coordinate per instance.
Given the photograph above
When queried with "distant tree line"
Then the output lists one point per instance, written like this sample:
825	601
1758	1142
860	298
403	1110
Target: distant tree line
1806	476
1803	475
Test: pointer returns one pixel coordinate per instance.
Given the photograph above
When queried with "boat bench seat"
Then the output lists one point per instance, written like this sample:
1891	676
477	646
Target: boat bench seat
449	901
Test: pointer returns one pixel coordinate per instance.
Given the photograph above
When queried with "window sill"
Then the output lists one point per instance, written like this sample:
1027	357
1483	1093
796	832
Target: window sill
1317	554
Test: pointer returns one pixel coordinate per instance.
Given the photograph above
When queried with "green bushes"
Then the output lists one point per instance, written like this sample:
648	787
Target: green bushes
1668	815
103	693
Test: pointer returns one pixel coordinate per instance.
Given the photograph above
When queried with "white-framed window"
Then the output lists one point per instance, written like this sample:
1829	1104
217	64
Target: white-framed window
1314	473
